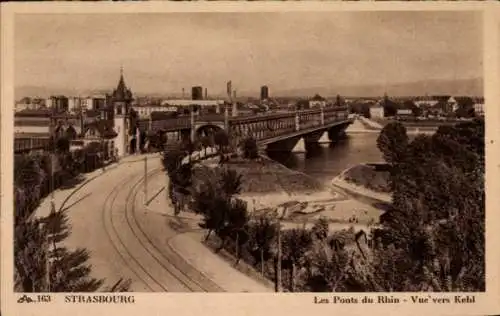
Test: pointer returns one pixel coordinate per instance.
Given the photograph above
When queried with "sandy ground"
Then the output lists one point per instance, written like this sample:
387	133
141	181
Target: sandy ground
340	182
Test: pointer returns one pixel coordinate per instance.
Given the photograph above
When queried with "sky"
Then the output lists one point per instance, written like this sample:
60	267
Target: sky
165	52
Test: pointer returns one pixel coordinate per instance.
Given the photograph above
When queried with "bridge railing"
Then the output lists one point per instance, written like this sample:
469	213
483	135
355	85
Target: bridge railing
267	125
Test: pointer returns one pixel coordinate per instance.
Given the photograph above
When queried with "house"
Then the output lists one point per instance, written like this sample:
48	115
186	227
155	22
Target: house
377	111
99	129
317	102
404	112
406	109
100	132
452	105
479	106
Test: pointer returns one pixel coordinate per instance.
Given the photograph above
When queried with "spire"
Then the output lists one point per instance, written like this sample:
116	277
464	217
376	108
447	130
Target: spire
122	93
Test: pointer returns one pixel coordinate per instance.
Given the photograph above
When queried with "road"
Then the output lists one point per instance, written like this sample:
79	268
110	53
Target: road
124	240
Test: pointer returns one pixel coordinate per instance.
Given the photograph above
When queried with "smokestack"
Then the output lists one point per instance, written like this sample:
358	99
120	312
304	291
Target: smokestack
206	94
183	93
234	95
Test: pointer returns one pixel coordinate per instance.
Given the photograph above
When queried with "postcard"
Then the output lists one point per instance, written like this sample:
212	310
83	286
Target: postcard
293	158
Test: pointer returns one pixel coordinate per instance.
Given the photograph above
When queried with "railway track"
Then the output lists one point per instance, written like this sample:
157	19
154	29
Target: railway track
160	270
130	261
170	260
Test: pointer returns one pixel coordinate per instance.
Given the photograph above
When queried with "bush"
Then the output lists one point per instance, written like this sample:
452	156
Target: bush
250	148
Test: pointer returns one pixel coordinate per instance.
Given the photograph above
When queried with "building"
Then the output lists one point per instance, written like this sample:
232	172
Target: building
452	105
197	93
479	106
120	102
377	111
96	102
33	123
22	106
264	93
317	102
48	103
404	112
60	103
99	103
74	104
145	111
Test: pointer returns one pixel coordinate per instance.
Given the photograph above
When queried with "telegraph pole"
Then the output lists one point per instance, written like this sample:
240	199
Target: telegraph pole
278	261
47	263
145	180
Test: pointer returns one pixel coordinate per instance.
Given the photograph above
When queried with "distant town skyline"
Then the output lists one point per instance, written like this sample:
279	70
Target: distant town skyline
162	53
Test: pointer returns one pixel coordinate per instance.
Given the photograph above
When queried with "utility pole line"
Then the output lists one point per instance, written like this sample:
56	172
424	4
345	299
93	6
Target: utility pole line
47	262
145	180
278	261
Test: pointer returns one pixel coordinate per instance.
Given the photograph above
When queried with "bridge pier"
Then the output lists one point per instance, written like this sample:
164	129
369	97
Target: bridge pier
285	145
337	132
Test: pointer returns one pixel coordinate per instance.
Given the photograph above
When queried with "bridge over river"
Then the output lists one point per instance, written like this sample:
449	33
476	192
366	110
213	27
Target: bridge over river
276	131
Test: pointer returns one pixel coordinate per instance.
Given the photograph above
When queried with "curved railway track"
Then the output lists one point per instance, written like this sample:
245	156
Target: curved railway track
193	279
117	243
160	270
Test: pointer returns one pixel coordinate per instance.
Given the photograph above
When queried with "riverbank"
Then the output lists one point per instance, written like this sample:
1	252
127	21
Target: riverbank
293	197
412	128
350	181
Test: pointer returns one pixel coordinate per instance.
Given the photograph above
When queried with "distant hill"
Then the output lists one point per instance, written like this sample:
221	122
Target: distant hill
472	87
431	87
45	92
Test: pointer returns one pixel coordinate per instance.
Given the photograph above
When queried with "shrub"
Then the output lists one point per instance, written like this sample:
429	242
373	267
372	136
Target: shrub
250	148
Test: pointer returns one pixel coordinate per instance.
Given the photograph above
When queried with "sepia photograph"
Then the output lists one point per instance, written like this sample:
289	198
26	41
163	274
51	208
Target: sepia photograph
249	152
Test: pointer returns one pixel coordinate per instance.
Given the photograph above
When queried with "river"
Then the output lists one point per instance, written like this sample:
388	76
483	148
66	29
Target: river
326	161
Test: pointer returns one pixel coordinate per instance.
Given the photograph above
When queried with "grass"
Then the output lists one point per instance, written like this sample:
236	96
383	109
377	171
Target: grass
262	176
368	176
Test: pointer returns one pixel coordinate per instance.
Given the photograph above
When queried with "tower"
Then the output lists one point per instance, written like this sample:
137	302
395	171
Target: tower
197	93
264	93
121	100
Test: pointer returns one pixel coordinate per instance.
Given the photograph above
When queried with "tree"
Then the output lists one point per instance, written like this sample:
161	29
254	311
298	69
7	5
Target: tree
234	223
328	271
180	176
221	139
205	142
320	229
365	110
436	224
28	179
390	107
230	182
30	257
465	107
416	111
262	232
133	122
250	148
295	243
40	262
213	199
392	142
